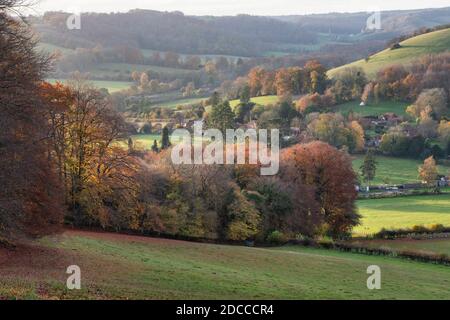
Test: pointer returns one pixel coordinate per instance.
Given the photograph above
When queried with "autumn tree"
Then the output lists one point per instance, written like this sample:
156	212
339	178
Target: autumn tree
333	129
243	218
367	93
349	84
329	173
427	126
283	82
30	201
144	81
255	81
436	99
317	76
97	174
444	131
428	172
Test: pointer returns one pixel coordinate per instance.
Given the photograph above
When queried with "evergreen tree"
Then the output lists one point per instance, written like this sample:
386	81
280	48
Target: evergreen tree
215	99
155	146
130	145
165	140
369	166
245	95
243	111
221	117
287	113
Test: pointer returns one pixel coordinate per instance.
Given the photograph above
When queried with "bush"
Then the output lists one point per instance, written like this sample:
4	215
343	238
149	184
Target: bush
277	238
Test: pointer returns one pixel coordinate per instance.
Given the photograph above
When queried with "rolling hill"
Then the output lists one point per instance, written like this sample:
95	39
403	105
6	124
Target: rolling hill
411	49
117	266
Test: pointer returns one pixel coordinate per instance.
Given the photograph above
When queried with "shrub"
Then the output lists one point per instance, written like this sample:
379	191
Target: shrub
277	237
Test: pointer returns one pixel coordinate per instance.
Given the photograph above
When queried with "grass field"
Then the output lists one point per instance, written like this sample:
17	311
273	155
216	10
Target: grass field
263	101
434	42
126	267
433	246
395	170
181	102
112	86
145	141
404	212
113	69
399	108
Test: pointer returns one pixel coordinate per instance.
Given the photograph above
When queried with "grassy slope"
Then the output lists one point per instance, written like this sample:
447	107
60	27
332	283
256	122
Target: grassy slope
395	170
396	213
116	266
434	42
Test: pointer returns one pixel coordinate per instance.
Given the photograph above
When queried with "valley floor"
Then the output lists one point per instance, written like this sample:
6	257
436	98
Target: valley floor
128	267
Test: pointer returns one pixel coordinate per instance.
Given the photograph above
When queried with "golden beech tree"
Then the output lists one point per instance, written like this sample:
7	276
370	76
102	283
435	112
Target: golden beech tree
428	172
98	176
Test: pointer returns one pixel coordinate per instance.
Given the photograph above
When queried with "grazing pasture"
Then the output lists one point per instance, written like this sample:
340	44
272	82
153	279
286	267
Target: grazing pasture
127	267
399	108
402	212
432	246
392	170
411	49
263	101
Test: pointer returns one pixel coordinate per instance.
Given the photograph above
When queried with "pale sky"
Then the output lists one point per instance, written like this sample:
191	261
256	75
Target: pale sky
233	7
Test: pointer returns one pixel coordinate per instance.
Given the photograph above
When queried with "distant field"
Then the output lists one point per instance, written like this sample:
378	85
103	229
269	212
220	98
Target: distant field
434	246
204	57
175	103
145	141
51	48
150	268
113	69
403	212
435	42
392	170
263	101
112	86
399	108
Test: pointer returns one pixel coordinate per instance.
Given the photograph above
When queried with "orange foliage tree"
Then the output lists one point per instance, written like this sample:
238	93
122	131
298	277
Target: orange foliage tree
329	173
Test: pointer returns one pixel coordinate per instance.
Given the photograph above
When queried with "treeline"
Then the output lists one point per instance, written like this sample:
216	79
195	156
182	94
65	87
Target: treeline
164	31
313	195
395	23
282	82
84	58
